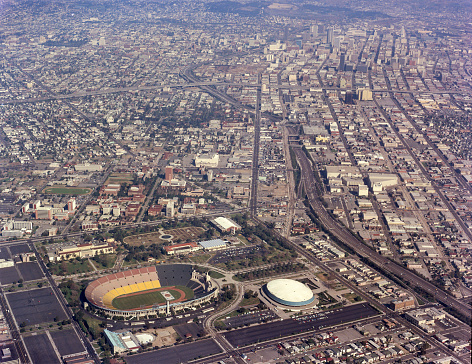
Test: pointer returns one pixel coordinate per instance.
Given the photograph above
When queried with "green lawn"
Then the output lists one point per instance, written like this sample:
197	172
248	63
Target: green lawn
66	190
104	261
120	178
215	275
201	258
70	267
148	298
325	298
352	297
250	301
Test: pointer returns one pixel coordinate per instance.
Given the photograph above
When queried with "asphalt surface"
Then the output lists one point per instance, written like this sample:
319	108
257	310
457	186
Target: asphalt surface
177	354
35	306
41	350
19	249
30	271
273	330
67	342
19	348
4	254
250	318
9	275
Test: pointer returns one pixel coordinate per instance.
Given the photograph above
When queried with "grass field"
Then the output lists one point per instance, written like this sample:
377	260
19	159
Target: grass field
70	267
215	275
149	298
120	178
66	190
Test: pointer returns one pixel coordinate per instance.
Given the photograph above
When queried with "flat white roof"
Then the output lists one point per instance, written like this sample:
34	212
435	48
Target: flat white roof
225	223
212	243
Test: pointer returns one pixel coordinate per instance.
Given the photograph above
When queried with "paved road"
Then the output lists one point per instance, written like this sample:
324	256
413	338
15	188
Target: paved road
255	154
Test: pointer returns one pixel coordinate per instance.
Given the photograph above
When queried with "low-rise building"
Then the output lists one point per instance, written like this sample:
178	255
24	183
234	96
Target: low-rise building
215	244
58	252
224	224
183	248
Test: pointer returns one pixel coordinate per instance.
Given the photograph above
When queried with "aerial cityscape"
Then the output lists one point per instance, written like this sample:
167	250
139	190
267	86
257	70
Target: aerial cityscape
235	181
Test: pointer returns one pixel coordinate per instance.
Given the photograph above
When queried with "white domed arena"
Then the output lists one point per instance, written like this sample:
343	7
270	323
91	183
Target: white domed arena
289	292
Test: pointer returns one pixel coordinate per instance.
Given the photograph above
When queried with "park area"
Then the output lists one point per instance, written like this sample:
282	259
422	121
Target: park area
152	297
63	190
181	234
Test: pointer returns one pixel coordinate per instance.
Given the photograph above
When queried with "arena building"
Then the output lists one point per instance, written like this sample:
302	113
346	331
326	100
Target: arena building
288	292
150	291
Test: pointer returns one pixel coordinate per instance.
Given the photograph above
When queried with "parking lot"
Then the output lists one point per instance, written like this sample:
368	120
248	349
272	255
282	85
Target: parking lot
277	329
67	342
30	271
4	254
250	318
188	329
9	275
236	254
177	354
40	349
19	249
35	306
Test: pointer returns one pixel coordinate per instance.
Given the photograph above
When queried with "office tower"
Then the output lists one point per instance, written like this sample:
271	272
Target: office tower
169	173
329	36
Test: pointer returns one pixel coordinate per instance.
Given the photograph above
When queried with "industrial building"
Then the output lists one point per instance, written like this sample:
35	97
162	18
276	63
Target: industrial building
224	224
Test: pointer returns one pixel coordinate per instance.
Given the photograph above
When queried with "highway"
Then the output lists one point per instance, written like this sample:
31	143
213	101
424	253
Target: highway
113	90
255	154
347	238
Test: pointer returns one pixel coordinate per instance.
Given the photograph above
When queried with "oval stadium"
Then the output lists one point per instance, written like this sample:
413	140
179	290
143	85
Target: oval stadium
289	292
150	290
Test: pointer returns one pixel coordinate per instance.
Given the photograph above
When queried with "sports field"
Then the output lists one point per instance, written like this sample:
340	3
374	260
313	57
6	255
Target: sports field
66	190
120	178
151	297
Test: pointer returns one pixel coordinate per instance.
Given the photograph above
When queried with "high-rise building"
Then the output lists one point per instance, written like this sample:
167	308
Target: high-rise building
329	35
314	30
337	42
403	32
169	173
349	97
170	210
342	59
71	204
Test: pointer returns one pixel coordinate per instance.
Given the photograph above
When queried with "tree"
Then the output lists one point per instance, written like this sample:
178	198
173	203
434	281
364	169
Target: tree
425	346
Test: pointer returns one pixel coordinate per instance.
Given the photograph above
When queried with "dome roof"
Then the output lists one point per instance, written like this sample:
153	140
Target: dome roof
289	292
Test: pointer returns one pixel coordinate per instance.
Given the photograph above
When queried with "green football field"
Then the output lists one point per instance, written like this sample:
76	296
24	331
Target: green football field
66	191
148	298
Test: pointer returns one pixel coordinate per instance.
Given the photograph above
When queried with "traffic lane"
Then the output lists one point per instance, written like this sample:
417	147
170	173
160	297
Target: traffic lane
264	332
